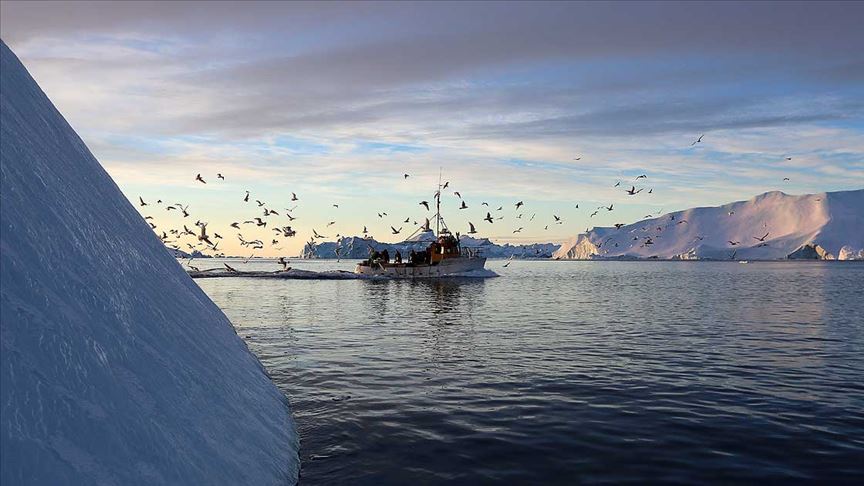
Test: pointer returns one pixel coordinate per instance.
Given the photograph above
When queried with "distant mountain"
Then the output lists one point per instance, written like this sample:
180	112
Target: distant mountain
771	226
358	247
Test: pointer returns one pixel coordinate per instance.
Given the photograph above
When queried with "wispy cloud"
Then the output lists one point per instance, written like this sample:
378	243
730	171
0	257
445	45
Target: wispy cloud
337	100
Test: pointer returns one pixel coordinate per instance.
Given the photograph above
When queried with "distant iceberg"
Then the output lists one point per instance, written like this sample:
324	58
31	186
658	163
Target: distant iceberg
116	368
771	226
358	247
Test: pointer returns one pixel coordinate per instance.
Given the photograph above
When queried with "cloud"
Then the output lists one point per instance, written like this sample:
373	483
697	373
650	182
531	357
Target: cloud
318	98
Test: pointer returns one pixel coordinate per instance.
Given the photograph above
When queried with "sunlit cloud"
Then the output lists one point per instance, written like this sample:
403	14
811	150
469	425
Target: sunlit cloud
336	101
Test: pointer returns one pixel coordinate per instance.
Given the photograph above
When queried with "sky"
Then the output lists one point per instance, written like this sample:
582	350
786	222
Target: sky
547	103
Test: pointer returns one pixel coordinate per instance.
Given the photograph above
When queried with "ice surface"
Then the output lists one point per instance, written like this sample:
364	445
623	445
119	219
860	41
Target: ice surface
116	368
832	223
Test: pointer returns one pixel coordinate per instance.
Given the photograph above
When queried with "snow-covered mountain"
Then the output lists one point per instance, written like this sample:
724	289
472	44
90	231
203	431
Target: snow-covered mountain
770	226
358	247
116	367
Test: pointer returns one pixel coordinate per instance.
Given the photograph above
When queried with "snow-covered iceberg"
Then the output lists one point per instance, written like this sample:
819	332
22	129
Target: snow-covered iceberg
116	368
771	226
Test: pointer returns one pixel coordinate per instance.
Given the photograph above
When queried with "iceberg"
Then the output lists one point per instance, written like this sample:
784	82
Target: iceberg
356	247
770	226
116	368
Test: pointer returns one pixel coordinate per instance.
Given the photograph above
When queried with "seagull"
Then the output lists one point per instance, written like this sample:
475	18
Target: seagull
471	229
651	191
643	176
518	230
578	158
763	237
445	185
405	176
557	219
142	201
519	204
406	220
364	230
258	222
290	218
499	208
730	213
316	235
488	217
484	204
593	214
395	231
617	184
632	191
425	204
294	197
609	208
785	178
698	140
260	204
220	176
733	243
246	199
457	194
336	206
463	206
200	179
331	223
618	225
788	158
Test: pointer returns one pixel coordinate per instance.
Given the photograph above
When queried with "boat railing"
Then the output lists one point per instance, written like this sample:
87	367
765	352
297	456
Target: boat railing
470	251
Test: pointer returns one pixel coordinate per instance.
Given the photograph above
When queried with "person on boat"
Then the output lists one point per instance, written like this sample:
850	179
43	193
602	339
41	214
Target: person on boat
385	256
398	257
412	257
374	256
284	263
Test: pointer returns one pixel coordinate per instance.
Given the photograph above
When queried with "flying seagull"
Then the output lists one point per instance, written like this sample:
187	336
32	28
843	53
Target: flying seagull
471	229
698	140
200	179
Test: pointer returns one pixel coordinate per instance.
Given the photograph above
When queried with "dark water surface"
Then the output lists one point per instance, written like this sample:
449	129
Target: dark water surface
568	372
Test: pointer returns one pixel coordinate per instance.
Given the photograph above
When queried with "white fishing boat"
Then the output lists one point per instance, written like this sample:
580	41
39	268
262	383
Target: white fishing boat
444	256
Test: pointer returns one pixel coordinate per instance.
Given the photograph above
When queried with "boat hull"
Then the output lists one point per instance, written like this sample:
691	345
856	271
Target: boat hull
452	267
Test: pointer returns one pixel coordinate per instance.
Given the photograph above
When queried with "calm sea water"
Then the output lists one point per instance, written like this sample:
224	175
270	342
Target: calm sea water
567	372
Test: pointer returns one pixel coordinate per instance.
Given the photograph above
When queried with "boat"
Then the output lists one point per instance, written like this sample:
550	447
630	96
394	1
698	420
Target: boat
444	256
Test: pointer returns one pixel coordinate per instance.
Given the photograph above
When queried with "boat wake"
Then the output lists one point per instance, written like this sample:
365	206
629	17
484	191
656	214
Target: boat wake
297	274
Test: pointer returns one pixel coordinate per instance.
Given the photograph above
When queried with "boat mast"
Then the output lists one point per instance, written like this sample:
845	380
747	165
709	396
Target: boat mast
438	206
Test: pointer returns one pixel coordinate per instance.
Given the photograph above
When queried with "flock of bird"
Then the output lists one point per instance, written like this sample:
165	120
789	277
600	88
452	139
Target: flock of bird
185	238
